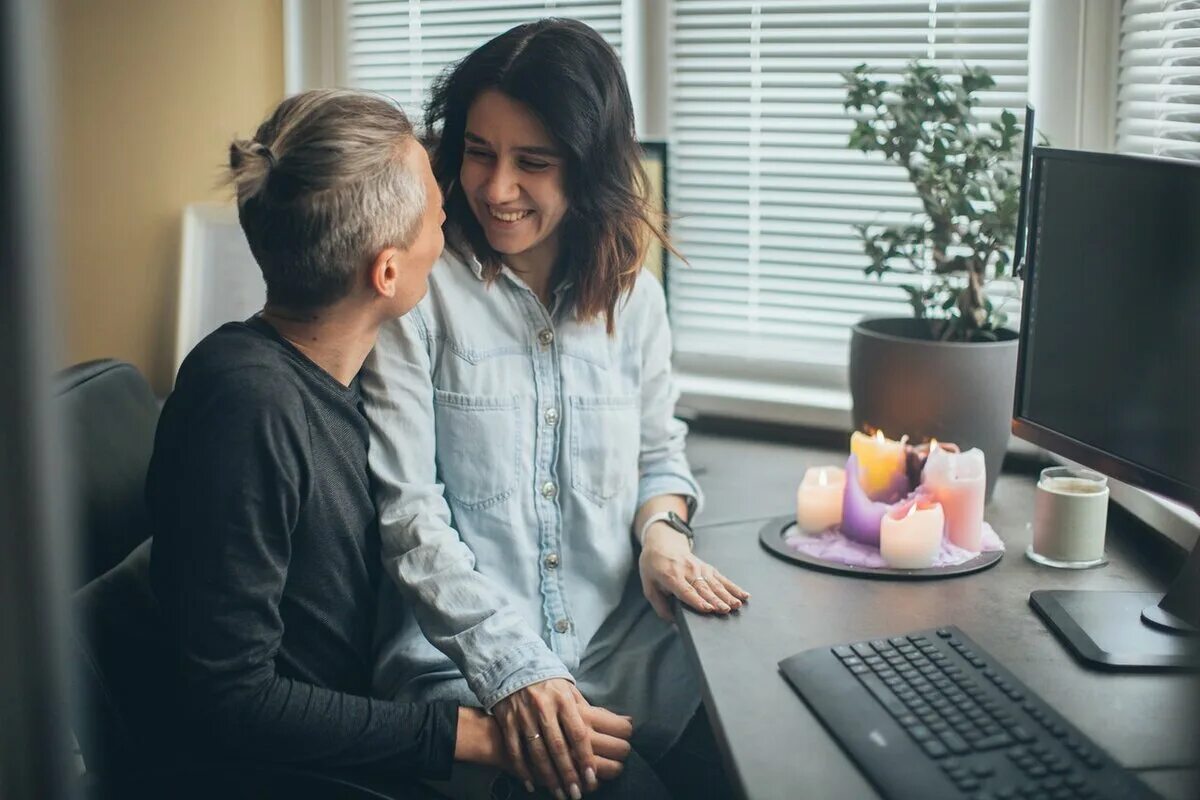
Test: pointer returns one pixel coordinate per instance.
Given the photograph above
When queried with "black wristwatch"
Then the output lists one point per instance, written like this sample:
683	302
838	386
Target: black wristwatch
673	520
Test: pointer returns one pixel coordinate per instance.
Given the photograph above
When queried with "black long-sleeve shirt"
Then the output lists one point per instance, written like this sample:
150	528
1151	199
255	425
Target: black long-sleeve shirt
266	562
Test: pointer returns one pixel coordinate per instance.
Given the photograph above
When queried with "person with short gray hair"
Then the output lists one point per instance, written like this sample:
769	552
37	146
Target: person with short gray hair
266	552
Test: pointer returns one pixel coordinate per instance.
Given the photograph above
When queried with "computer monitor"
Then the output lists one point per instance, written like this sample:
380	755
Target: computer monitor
1109	367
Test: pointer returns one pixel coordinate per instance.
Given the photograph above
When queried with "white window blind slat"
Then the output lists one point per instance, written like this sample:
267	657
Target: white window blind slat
1158	79
400	48
764	191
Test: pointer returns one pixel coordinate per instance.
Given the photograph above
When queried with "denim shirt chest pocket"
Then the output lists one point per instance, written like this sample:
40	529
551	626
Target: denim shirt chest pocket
605	441
477	452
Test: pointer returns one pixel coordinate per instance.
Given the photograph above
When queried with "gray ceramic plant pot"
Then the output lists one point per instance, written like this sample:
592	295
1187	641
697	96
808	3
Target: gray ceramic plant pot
906	383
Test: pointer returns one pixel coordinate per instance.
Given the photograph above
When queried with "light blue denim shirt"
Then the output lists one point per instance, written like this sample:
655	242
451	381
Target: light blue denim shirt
511	448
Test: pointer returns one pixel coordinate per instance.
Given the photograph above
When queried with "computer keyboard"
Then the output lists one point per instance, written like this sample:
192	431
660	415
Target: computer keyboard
931	715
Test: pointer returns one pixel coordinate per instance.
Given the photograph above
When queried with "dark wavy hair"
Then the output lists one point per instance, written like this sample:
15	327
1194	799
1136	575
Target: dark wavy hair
571	80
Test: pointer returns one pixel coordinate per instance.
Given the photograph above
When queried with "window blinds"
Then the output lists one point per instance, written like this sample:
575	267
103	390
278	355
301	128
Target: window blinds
1158	95
398	48
763	189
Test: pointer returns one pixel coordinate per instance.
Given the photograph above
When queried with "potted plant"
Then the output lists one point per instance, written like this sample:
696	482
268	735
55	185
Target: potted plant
948	371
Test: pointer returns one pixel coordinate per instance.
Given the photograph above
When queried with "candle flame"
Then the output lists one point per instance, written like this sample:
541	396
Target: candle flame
879	437
822	478
933	445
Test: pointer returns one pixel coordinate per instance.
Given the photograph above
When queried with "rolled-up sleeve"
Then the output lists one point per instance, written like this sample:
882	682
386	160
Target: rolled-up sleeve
462	612
663	465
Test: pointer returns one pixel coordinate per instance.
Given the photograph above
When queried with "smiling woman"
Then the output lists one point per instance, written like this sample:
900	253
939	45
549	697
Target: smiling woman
512	178
530	474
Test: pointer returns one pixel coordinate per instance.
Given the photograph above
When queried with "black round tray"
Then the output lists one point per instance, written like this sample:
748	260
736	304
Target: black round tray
772	538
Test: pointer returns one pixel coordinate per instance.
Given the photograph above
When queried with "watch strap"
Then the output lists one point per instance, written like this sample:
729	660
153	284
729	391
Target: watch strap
672	519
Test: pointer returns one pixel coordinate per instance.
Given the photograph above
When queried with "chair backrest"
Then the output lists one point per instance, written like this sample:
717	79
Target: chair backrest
110	414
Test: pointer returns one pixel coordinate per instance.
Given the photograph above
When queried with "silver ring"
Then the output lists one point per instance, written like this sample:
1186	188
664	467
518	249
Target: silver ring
533	738
701	579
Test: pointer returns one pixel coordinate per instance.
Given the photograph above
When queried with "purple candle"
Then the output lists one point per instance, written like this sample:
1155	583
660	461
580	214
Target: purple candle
861	516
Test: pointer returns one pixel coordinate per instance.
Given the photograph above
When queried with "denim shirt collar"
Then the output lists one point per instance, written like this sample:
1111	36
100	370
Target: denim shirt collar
558	291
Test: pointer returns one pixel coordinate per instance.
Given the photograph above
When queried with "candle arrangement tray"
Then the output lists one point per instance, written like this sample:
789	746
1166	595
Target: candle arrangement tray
774	538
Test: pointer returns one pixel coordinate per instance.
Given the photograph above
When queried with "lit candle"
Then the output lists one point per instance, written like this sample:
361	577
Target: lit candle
883	463
910	535
860	514
819	498
958	481
918	453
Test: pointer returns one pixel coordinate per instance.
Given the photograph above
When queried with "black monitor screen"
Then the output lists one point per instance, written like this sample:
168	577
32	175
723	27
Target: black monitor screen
1110	341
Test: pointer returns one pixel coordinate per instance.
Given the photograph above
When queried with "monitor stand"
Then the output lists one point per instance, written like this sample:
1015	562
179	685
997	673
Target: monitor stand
1130	630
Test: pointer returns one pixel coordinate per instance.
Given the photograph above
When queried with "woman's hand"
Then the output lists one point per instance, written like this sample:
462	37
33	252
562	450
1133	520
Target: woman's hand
547	738
669	568
610	739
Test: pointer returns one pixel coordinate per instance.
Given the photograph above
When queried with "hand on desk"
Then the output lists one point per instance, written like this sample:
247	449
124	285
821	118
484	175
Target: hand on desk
552	736
669	568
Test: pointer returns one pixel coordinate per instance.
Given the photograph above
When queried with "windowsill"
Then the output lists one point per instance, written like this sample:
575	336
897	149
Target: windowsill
781	404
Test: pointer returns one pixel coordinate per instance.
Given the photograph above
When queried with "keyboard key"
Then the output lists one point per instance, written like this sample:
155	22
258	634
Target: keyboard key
899	641
863	649
880	645
934	749
843	651
1022	735
993	742
860	670
885	696
920	733
954	743
945	633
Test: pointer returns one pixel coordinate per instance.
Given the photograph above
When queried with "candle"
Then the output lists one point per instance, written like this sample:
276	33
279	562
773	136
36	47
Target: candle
860	515
918	453
819	498
910	535
882	462
957	481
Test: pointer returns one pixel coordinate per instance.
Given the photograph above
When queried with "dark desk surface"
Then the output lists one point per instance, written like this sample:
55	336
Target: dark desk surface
778	749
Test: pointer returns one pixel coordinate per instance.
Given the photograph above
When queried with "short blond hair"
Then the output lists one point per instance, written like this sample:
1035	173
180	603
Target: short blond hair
322	188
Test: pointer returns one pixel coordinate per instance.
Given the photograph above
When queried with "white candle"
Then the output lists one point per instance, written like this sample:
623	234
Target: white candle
819	498
912	538
958	481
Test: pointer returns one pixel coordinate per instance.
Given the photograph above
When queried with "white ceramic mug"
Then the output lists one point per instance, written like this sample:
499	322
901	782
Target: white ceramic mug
1070	515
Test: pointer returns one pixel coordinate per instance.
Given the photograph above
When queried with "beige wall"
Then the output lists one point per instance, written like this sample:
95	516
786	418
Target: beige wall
150	93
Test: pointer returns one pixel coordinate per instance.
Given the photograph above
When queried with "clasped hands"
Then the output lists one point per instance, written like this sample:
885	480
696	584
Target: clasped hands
548	734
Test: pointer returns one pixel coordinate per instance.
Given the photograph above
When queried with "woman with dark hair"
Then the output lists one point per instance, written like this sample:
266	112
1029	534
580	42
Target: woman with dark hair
530	476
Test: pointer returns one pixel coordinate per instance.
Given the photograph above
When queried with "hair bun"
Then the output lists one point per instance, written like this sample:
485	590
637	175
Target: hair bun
263	150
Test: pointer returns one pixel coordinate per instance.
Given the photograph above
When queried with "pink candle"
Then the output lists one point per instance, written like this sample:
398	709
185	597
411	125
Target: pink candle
957	481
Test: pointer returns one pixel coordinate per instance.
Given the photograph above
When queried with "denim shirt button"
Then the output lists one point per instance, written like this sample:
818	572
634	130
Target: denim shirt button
551	416
551	561
549	490
562	626
546	336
